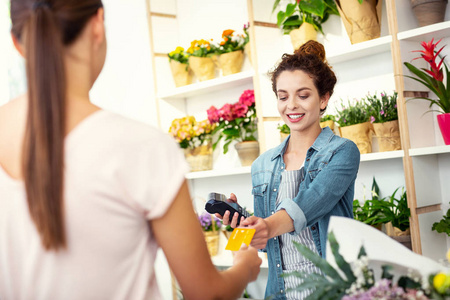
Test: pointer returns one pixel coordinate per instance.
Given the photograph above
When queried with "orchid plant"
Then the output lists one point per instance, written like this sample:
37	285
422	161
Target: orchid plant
433	78
235	122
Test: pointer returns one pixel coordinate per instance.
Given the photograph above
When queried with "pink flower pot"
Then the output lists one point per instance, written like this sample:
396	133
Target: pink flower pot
444	125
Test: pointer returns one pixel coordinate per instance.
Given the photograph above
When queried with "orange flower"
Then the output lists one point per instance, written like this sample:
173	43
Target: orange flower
227	32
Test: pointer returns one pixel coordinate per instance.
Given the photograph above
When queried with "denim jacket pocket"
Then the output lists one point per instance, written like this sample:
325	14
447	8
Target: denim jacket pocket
259	196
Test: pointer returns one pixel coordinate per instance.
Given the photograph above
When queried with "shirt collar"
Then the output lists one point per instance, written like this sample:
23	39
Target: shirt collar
323	139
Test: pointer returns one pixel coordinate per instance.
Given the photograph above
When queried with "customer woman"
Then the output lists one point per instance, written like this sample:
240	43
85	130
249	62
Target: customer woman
310	177
88	196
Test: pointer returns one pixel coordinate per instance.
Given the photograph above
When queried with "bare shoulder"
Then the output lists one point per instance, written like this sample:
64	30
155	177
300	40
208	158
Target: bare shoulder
13	111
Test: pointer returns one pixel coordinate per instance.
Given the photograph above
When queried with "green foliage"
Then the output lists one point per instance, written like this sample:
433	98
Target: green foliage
178	55
284	129
443	225
315	12
352	114
327	118
382	109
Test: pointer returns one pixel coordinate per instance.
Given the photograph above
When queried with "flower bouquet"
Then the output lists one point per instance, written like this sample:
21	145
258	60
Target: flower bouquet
195	138
384	119
179	66
354	124
210	227
303	19
237	122
200	59
230	52
433	79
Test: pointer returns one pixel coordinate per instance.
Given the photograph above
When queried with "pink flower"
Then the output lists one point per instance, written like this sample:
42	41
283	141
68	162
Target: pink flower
226	112
239	110
213	115
247	98
372	119
429	55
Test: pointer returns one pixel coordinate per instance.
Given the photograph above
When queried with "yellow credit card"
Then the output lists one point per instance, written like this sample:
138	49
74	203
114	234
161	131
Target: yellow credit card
239	236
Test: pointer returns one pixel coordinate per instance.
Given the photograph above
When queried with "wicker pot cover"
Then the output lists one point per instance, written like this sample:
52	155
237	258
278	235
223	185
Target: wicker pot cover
303	34
428	12
360	134
200	158
248	151
181	73
203	67
361	21
388	135
231	63
212	241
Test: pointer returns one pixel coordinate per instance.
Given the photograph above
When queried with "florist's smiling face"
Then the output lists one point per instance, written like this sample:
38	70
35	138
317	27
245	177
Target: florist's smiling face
299	103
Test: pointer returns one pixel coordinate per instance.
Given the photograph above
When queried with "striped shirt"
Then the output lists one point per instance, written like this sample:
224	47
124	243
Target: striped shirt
292	259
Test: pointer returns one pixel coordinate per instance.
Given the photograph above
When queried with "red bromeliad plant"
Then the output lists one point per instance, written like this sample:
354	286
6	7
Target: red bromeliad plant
235	122
433	78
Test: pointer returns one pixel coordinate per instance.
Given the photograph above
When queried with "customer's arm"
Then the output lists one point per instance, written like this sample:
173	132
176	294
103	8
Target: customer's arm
179	234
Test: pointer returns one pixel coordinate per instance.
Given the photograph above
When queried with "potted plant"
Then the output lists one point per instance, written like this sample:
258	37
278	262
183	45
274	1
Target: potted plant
354	124
361	18
428	12
327	120
200	59
195	139
230	52
433	79
371	212
284	131
303	19
179	66
443	226
210	227
237	122
384	119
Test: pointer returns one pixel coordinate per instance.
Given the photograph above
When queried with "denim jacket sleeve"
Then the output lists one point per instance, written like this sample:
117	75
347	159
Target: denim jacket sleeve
330	176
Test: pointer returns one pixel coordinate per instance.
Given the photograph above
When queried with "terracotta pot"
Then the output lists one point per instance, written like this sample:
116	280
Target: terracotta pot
360	134
231	63
388	135
181	73
200	158
248	151
303	34
203	67
361	21
428	12
444	125
329	123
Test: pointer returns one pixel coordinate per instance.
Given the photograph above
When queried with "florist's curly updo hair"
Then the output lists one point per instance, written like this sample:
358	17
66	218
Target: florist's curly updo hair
309	58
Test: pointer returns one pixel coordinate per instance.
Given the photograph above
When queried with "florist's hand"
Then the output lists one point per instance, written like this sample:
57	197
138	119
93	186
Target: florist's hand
262	231
226	216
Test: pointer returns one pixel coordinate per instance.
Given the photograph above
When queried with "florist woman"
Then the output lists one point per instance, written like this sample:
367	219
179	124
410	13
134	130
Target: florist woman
309	177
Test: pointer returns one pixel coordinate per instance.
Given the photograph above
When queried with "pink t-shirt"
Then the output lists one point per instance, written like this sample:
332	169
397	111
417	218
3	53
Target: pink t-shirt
119	174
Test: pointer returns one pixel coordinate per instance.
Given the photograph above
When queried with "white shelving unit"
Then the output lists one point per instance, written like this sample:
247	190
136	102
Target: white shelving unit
430	150
426	33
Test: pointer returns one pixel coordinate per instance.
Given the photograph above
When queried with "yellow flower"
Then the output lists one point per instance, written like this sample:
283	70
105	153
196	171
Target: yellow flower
441	282
227	32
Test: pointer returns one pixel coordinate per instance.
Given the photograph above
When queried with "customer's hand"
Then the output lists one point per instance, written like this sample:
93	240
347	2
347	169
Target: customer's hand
248	256
262	231
226	216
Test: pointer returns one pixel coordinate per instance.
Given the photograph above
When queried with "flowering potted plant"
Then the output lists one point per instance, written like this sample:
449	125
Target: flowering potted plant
384	119
237	122
200	59
303	19
433	79
195	138
210	227
231	52
354	124
327	120
179	66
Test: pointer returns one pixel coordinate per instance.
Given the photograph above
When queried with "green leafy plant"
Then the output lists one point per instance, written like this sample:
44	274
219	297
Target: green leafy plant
353	113
433	78
371	212
443	226
382	108
314	12
356	280
284	129
327	118
397	211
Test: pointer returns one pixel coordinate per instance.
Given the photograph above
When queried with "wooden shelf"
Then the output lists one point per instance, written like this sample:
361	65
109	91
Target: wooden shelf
359	50
429	150
218	173
209	86
426	33
382	155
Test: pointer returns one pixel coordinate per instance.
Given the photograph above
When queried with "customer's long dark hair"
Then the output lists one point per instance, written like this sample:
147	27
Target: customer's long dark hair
44	28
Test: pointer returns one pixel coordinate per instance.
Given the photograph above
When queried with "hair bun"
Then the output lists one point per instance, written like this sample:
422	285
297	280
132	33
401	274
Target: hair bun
311	47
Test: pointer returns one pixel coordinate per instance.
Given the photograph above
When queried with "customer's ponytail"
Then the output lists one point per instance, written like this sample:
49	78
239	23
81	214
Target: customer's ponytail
43	151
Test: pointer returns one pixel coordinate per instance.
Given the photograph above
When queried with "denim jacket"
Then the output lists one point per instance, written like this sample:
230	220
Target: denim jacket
330	166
